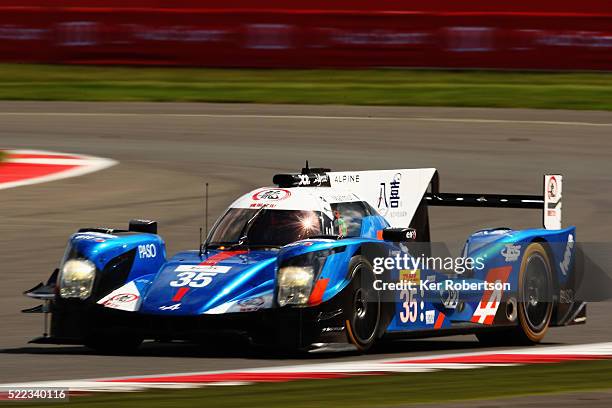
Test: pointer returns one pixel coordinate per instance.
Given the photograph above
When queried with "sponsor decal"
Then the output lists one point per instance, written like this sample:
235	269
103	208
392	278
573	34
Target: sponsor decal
511	252
92	237
389	200
251	304
175	306
552	201
410	275
566	296
256	301
346	178
316	179
493	232
304	180
332	329
412	310
552	188
564	265
339	198
303	243
147	251
388	195
121	299
491	299
272	194
126	298
260	205
192	279
430	316
201	275
211	269
394	186
450	298
244	305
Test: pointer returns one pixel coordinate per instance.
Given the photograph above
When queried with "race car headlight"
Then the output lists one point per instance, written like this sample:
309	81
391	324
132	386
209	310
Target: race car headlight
77	278
294	284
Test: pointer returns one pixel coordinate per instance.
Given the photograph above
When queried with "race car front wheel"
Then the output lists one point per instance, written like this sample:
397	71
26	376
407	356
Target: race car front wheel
363	320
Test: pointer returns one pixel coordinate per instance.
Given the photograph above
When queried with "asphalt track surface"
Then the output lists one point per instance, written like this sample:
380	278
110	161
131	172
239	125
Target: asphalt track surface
594	399
167	151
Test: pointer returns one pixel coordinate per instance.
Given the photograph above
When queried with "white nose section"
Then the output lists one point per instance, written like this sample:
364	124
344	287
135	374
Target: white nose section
126	298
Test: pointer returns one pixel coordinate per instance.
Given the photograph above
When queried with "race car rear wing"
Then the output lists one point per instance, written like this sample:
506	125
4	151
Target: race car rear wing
549	202
398	194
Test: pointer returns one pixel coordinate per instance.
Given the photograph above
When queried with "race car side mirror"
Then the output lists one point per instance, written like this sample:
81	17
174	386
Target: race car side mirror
399	234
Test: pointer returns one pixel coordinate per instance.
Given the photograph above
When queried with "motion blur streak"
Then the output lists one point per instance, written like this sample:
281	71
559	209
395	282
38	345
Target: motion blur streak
452	34
313	117
336	370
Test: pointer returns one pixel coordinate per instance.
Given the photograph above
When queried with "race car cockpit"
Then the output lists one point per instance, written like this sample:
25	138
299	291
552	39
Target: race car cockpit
268	227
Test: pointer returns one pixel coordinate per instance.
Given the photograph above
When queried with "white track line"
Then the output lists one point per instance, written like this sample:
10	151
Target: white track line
87	164
389	365
312	117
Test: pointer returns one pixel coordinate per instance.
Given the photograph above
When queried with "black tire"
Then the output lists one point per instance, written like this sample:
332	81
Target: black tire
113	344
364	311
535	302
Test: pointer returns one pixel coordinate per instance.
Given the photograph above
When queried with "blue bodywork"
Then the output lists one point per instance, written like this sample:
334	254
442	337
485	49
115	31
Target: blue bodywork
244	280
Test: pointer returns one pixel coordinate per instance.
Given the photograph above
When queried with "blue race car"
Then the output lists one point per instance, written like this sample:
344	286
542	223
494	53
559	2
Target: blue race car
320	261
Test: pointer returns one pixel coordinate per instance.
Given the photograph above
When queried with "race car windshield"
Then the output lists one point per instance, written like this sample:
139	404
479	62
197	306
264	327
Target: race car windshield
267	227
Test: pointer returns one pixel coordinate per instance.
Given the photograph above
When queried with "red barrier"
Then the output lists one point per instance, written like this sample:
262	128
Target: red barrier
472	34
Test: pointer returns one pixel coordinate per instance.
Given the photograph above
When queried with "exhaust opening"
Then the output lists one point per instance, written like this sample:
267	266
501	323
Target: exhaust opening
511	309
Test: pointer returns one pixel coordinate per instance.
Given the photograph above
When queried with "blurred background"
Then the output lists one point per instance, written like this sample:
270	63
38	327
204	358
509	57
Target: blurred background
520	34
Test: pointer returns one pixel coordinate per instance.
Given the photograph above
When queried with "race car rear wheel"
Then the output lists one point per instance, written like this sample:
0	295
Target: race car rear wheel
363	320
535	303
535	294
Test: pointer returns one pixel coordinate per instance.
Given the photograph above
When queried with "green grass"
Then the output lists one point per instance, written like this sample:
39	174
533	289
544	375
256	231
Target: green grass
2	156
375	391
347	87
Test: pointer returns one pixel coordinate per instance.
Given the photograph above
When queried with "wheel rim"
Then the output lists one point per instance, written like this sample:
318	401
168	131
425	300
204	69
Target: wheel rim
366	307
536	289
361	305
